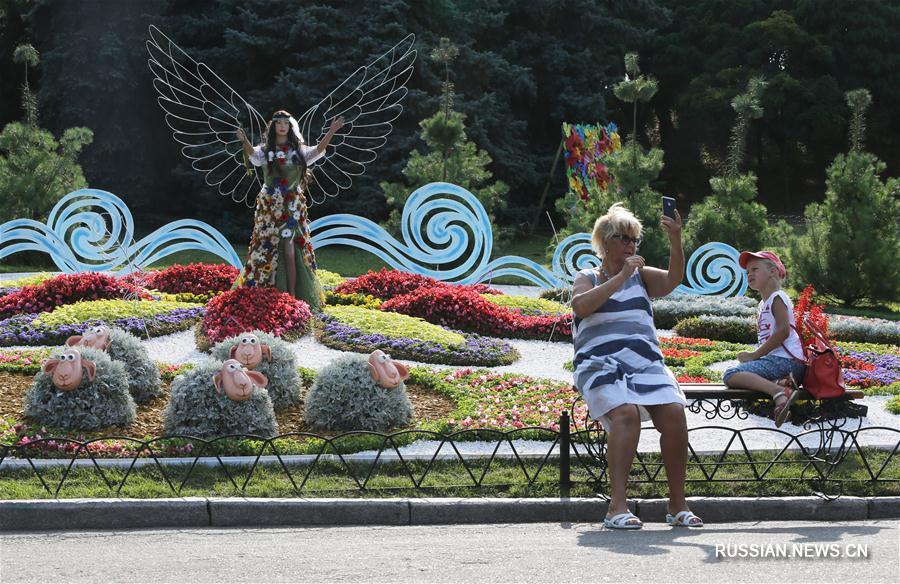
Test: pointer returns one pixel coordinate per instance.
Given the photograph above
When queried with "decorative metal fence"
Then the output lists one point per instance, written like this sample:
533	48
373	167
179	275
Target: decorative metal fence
572	456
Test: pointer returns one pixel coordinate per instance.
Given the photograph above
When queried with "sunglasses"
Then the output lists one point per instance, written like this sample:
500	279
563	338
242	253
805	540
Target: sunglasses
626	240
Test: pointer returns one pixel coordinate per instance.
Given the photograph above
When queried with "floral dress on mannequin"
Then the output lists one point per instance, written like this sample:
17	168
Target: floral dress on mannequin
281	214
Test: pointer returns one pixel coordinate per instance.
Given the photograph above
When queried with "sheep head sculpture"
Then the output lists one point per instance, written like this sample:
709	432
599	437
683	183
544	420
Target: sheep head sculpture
67	371
96	338
385	371
236	381
250	351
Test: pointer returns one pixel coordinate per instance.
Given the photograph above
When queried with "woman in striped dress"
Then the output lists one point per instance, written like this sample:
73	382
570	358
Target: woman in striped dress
619	367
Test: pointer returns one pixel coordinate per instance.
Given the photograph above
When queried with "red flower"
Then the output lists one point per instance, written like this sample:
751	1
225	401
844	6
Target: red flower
285	148
260	308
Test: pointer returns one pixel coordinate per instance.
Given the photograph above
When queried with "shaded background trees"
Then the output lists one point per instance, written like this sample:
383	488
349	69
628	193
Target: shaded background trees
522	69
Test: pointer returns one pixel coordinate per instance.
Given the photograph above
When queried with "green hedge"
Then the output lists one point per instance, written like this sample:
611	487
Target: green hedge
393	325
527	305
734	329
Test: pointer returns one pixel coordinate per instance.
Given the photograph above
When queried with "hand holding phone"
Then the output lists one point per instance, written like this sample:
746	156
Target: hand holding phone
668	205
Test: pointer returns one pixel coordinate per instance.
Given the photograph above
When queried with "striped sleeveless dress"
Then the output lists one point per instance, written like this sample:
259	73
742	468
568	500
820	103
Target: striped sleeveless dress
617	356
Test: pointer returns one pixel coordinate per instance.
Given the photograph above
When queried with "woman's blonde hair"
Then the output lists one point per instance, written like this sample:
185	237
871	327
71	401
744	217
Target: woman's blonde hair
618	220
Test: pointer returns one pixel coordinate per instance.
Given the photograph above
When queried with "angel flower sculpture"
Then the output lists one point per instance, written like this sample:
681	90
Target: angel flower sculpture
351	123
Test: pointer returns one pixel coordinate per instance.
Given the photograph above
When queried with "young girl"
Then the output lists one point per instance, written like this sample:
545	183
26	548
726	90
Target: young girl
777	358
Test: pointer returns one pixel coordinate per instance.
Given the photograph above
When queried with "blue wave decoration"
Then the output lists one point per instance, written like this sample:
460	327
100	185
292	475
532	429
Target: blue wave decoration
447	236
713	269
90	230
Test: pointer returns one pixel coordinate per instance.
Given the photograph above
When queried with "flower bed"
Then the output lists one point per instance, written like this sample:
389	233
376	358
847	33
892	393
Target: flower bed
475	349
21	330
24	361
386	284
245	309
869	366
527	305
394	326
67	289
466	310
197	279
509	401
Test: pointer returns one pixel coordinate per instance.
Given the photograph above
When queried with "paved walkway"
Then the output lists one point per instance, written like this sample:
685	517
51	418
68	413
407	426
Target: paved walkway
544	552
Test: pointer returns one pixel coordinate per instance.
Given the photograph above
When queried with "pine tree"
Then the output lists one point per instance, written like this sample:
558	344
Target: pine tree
731	214
850	249
632	171
451	157
36	169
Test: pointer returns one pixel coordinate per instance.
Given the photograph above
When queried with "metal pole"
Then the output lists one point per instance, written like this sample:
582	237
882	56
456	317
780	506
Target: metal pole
564	481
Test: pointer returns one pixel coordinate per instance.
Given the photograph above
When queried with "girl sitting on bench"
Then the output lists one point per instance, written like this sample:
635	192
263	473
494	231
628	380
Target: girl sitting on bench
771	361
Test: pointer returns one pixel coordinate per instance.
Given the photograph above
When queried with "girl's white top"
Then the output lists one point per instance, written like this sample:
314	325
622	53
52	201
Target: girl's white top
765	326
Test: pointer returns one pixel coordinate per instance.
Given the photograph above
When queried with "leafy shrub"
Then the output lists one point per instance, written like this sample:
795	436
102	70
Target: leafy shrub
329	279
345	397
67	289
527	305
893	405
107	311
247	309
466	310
144	382
843	328
476	350
199	279
284	380
93	404
735	329
195	408
669	310
393	325
561	295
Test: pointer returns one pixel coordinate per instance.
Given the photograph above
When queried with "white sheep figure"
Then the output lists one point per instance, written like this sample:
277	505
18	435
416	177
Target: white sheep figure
218	398
260	351
144	381
358	393
80	388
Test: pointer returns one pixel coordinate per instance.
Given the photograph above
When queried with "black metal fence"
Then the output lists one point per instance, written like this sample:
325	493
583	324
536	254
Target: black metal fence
571	457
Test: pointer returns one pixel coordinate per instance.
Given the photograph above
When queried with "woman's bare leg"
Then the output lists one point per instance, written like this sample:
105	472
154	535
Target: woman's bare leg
290	266
622	441
670	421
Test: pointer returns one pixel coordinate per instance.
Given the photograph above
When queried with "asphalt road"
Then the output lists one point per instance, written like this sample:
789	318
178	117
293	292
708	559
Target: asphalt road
544	552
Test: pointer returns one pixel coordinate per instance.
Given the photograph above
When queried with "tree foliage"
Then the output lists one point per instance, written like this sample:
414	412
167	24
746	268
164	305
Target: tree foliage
852	242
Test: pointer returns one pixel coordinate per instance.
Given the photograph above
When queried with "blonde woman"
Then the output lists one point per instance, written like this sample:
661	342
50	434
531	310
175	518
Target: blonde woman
619	368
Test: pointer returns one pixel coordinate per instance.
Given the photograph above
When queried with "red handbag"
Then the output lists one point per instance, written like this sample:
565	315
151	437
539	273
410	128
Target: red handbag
824	378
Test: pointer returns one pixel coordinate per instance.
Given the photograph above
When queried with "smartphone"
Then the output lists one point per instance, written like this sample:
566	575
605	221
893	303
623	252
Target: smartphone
669	207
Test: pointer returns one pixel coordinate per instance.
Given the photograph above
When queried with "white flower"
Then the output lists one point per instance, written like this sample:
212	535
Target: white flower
285	233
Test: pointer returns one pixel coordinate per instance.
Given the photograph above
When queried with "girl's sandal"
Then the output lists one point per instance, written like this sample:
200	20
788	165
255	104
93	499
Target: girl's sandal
684	519
783	411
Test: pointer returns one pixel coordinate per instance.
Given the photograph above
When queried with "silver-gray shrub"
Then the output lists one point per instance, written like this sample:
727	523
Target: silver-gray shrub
93	404
284	381
345	397
195	408
144	382
669	310
864	331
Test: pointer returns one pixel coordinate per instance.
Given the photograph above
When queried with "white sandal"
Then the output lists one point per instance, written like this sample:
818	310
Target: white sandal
684	519
620	521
